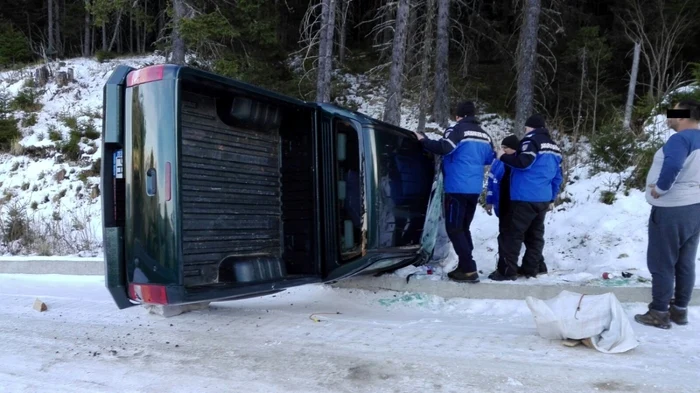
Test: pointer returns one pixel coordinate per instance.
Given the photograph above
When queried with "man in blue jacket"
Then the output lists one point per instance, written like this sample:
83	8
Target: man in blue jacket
498	188
467	149
534	185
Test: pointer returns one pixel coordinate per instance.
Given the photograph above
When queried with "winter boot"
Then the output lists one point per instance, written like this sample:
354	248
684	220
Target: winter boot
497	276
460	276
522	273
678	315
659	319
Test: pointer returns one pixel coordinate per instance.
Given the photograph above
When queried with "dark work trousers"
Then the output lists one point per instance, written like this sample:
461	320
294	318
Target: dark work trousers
459	213
505	216
673	245
504	212
526	226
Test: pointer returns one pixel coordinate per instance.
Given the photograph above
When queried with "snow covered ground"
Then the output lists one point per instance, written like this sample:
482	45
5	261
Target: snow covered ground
55	192
584	236
363	342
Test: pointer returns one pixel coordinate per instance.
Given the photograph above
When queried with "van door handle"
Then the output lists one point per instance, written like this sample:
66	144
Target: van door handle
151	182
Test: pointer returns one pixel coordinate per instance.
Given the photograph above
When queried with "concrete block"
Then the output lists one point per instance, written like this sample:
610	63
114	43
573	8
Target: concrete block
52	265
171	311
495	290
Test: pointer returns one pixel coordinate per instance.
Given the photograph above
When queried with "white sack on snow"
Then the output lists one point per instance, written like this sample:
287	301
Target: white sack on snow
599	317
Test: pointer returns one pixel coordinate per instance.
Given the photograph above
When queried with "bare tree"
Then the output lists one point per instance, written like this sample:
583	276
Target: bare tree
87	40
659	33
601	55
325	52
57	24
632	86
145	25
131	31
344	6
178	43
579	117
527	63
116	29
426	56
392	108
138	36
382	32
52	43
104	36
441	108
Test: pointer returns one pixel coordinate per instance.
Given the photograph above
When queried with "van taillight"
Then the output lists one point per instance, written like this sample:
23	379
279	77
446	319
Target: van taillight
145	75
148	293
168	183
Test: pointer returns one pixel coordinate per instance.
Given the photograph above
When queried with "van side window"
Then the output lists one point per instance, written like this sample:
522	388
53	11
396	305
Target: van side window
349	190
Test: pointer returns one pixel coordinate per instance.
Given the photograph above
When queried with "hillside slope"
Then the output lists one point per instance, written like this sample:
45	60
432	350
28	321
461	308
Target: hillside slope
49	181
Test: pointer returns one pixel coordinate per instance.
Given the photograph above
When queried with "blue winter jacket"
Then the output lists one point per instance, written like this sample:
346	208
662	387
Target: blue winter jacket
536	168
493	186
466	149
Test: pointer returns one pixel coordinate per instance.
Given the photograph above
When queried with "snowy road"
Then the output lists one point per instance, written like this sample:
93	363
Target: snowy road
382	342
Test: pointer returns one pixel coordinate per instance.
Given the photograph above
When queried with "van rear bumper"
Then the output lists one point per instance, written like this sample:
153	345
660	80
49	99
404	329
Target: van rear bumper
179	295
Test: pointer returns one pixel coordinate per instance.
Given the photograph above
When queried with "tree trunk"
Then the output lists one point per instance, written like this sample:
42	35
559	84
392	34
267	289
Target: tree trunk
441	109
51	45
321	64
426	54
57	38
104	36
283	23
527	64
412	32
88	41
595	94
577	127
120	41
116	31
131	32
325	52
145	26
178	44
344	7
392	108
632	86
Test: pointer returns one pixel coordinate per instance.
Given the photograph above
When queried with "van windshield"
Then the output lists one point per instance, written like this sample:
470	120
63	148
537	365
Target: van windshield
405	173
350	191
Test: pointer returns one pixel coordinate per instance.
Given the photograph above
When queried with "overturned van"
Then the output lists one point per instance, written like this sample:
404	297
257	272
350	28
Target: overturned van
213	189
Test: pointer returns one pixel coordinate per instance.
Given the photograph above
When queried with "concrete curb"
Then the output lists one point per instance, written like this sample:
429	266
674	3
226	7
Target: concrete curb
492	290
52	265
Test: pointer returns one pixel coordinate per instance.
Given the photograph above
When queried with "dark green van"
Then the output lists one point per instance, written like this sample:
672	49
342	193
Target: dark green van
213	189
